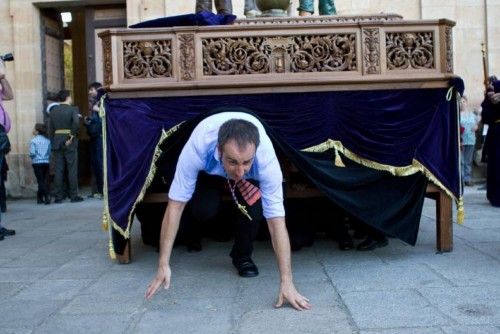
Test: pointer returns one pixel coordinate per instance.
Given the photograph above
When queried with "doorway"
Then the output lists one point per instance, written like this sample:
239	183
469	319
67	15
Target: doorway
72	57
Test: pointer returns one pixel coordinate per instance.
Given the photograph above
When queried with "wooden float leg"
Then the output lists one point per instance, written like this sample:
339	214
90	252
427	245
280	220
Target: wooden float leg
126	257
444	223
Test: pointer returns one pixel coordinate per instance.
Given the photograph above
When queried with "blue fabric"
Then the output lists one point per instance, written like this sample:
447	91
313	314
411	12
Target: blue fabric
203	18
391	127
458	84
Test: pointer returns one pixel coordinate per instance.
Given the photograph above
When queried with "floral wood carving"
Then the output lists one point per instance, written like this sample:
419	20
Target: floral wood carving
279	54
147	59
371	44
187	63
107	60
449	49
410	50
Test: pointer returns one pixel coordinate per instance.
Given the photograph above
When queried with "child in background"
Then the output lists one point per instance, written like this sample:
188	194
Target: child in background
40	154
469	123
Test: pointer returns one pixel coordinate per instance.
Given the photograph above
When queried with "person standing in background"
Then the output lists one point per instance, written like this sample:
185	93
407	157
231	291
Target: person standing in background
468	121
40	155
491	116
93	124
64	123
5	95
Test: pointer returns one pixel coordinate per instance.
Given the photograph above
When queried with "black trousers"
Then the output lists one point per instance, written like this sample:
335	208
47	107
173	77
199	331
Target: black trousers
41	174
204	206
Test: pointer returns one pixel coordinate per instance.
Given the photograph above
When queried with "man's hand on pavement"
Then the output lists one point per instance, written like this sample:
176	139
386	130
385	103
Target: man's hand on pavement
162	277
290	294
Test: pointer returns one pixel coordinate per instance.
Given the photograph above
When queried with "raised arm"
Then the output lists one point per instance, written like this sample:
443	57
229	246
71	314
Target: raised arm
169	228
281	246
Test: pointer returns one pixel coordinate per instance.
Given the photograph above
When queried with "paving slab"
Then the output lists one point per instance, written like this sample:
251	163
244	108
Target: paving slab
467	305
85	324
58	264
393	309
471	330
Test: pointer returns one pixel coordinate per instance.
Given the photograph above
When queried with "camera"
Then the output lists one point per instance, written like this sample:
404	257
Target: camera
7	57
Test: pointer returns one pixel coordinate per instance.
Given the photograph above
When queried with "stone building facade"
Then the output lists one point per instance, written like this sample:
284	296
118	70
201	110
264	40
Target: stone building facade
32	33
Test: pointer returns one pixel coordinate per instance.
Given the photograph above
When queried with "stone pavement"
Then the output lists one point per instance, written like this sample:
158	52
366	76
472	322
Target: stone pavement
56	277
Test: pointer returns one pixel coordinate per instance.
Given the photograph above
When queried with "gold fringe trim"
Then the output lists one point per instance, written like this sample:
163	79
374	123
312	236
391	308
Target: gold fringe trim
338	160
339	148
460	212
108	223
106	218
415	167
151	173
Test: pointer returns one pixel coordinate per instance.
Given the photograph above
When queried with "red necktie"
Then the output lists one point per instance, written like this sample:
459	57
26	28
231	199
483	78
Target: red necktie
248	191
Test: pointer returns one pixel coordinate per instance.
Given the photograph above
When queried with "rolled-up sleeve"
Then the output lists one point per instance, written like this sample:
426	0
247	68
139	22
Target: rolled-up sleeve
271	186
190	163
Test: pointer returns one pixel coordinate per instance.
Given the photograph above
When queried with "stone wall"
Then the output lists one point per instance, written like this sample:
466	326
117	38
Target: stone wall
477	21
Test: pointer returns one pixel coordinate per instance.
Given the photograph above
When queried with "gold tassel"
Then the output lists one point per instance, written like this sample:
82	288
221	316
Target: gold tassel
460	211
338	159
112	253
105	223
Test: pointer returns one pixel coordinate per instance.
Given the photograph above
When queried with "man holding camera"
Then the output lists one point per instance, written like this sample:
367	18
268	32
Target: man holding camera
5	94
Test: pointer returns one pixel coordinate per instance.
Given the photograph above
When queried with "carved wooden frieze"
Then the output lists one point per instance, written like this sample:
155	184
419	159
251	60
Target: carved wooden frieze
187	62
317	19
107	60
371	54
279	54
449	49
410	50
147	59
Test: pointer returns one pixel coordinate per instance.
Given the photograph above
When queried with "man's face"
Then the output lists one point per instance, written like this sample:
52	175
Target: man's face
236	160
92	92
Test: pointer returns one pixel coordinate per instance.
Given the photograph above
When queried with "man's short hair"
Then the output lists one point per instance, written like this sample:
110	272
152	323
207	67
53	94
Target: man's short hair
243	132
62	95
96	85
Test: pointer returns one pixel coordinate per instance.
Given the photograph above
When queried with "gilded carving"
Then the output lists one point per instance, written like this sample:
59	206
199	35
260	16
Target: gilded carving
449	49
414	50
107	60
279	54
187	62
147	59
371	55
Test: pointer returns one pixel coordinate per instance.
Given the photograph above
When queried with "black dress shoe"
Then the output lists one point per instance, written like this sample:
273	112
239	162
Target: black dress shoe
246	267
371	244
76	199
58	201
1	237
4	232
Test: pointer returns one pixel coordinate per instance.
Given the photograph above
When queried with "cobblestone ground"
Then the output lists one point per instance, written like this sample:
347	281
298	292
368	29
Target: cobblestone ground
56	277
